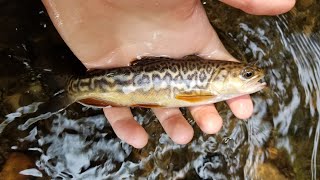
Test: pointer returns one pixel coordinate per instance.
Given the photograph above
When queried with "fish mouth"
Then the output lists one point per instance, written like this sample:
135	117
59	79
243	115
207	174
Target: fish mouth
255	85
259	86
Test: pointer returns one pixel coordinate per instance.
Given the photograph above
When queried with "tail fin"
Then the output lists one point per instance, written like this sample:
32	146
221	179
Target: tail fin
45	110
40	111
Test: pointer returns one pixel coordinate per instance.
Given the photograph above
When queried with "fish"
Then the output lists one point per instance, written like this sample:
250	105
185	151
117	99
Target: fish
161	82
153	82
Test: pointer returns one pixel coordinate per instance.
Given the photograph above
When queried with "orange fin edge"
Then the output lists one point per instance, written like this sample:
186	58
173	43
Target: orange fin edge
96	103
194	98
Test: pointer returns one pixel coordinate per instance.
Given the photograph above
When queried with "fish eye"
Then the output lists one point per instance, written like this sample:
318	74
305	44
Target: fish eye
247	73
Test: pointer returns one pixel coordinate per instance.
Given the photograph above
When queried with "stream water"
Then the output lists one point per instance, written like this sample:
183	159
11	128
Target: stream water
281	139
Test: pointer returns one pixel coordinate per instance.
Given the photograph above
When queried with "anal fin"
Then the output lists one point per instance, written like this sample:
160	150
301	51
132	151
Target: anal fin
96	103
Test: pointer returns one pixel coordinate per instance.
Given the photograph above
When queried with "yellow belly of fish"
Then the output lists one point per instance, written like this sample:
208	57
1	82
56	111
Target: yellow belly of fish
151	99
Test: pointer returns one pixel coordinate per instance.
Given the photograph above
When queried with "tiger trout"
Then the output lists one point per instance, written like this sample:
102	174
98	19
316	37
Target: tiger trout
153	82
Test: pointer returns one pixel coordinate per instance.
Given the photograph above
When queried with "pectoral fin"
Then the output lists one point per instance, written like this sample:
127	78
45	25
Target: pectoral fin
194	97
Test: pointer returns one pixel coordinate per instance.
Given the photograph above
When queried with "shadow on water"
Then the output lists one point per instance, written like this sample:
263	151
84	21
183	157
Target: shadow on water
280	140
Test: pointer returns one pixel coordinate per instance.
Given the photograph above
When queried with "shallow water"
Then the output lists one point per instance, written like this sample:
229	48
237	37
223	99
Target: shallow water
280	140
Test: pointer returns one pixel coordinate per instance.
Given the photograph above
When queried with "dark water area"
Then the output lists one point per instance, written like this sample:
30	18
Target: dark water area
279	141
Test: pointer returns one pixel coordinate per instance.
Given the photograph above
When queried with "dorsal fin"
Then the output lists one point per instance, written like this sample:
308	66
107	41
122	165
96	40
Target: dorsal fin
192	57
153	59
148	60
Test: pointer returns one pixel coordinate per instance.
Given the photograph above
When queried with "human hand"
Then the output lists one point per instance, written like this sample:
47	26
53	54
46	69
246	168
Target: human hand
106	33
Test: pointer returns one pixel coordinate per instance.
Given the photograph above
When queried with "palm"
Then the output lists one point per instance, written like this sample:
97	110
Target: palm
105	34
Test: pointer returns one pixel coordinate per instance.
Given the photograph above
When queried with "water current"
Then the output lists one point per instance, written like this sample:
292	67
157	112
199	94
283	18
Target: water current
281	139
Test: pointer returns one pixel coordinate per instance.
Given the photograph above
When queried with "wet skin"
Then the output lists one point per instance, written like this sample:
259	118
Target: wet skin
106	33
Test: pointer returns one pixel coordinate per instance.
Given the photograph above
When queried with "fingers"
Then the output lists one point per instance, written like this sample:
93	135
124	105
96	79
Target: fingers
242	107
207	118
125	127
174	124
262	7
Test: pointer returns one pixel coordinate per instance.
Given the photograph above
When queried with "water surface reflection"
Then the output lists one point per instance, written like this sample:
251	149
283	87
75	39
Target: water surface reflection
280	140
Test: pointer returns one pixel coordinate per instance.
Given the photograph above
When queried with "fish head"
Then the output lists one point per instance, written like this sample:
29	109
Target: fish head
238	79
